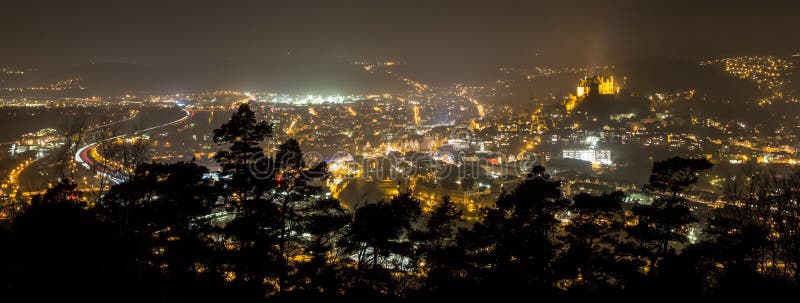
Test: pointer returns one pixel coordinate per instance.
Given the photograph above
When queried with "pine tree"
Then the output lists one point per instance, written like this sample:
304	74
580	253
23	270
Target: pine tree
243	159
666	220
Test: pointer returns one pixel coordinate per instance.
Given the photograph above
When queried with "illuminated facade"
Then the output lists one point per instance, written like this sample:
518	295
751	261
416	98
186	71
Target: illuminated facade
597	84
595	156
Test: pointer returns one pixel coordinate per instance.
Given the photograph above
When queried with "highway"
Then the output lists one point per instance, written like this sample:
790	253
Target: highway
83	155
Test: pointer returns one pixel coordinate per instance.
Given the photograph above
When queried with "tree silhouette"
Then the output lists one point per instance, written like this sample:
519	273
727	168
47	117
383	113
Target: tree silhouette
284	241
674	175
757	229
158	215
242	135
591	261
59	247
300	204
157	236
511	248
318	268
378	240
438	249
666	220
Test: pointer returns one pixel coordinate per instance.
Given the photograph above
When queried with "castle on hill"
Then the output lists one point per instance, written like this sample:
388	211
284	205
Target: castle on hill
596	85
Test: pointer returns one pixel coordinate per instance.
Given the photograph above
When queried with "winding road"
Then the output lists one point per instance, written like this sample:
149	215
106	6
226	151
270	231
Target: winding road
83	155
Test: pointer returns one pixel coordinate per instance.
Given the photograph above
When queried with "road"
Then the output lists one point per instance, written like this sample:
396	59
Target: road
84	156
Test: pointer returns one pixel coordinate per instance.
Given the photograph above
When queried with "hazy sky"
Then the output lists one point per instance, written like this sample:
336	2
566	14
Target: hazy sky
154	32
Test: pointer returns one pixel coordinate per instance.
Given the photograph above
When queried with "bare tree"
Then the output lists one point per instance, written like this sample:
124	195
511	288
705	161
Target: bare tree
763	209
72	135
119	156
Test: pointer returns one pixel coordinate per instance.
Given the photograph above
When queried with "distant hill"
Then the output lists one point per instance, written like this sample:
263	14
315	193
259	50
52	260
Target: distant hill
665	74
287	74
108	78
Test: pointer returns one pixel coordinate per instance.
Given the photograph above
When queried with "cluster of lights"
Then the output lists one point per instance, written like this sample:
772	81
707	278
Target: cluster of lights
62	85
11	71
767	71
11	186
763	70
312	99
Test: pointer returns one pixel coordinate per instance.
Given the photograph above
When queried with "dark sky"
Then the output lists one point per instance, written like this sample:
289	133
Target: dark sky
156	32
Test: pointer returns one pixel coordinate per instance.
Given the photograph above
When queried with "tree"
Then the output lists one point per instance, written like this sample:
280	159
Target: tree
675	175
437	246
441	225
591	261
300	205
242	135
666	220
159	196
378	239
72	134
287	234
512	246
58	247
158	218
320	264
119	156
757	229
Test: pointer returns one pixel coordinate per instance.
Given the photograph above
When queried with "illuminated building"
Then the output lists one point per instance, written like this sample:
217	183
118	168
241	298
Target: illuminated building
596	85
595	156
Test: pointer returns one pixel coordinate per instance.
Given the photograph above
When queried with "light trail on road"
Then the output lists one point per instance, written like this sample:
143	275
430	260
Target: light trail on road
83	155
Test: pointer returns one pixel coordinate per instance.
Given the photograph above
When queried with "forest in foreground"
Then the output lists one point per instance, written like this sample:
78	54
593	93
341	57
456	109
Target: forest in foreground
160	237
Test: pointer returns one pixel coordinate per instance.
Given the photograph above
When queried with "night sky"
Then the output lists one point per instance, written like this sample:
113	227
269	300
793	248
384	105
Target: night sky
152	32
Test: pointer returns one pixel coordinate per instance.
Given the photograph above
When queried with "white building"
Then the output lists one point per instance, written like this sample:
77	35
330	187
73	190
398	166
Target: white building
595	156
